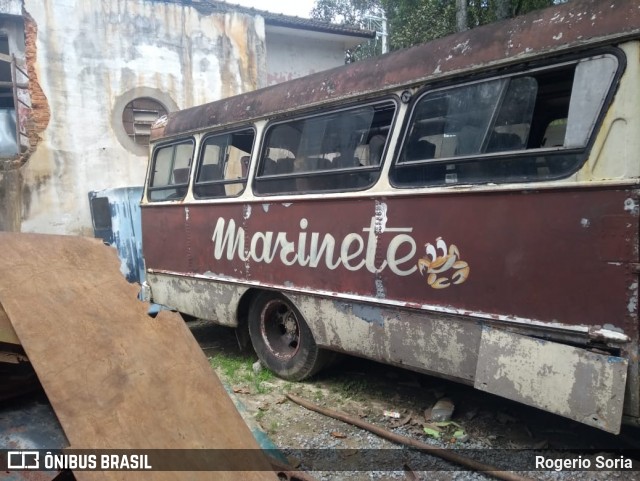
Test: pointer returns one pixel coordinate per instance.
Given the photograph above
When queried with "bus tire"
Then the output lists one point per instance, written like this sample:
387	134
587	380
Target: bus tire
282	339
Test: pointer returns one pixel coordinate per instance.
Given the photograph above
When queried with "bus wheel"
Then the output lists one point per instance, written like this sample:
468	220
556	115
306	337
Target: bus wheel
282	339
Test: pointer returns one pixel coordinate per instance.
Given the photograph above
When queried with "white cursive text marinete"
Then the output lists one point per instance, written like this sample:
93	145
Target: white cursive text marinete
311	249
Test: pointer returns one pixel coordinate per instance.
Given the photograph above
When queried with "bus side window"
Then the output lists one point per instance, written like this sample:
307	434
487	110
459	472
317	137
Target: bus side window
335	151
170	169
223	164
524	127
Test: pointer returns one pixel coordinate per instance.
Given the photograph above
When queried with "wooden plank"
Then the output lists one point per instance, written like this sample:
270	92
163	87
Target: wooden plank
116	378
7	333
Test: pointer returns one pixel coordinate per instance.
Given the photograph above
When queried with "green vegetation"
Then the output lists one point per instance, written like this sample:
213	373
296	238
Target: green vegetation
237	371
409	22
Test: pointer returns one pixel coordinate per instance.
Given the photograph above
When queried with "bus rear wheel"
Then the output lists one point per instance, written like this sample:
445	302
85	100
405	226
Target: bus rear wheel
282	339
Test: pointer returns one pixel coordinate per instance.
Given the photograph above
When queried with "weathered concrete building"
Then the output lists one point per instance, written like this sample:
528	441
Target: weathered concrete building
81	81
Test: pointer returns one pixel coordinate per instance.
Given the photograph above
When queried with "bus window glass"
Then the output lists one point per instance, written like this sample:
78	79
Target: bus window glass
341	150
224	164
170	171
590	85
523	127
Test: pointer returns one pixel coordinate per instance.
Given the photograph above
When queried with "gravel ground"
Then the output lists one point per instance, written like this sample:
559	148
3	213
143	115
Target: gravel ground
489	429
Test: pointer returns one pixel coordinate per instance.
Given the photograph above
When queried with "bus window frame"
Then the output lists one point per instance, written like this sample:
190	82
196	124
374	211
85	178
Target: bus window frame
392	101
200	156
517	70
156	149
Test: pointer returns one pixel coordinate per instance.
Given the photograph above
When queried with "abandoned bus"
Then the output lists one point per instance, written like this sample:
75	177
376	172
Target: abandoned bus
467	208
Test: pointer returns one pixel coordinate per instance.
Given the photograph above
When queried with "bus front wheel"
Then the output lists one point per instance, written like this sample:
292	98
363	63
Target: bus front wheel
282	339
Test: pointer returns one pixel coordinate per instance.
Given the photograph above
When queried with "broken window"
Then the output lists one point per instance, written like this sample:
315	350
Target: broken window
15	102
340	150
521	127
224	164
170	168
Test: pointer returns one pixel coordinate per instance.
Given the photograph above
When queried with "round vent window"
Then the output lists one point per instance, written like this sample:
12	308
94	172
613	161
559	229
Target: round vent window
138	116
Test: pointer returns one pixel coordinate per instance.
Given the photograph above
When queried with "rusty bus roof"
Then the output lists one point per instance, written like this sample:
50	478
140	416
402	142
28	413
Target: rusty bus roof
569	26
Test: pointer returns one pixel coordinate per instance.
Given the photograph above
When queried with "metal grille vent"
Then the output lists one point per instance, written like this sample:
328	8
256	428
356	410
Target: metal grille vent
139	115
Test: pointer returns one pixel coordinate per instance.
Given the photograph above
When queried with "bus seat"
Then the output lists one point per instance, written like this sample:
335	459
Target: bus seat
500	142
554	135
209	172
361	154
270	166
376	146
306	164
284	165
245	160
420	150
468	140
181	176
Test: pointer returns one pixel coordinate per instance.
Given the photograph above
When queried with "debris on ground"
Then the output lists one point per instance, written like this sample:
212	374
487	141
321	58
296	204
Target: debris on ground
442	410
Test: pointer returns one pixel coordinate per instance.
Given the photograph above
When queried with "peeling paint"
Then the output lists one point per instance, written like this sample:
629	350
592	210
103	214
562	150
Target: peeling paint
246	212
633	299
380	222
380	291
631	206
572	382
370	314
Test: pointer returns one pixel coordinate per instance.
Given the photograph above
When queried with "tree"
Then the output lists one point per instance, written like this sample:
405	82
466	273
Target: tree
345	12
415	21
357	13
462	20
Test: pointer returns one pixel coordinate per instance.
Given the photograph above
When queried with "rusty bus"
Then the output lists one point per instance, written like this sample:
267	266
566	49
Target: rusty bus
467	208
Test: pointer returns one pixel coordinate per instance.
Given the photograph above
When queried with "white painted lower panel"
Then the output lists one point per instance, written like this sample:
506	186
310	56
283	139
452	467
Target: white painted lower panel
565	380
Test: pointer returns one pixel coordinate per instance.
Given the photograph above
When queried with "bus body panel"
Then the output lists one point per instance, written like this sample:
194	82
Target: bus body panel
565	257
570	381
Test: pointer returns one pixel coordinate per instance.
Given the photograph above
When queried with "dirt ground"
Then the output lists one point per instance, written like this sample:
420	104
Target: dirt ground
484	427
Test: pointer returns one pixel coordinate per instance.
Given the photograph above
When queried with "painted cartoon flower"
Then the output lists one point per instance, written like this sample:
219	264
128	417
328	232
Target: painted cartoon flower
442	266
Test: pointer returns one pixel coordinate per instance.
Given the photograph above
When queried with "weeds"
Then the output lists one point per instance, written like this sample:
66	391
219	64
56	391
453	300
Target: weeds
236	369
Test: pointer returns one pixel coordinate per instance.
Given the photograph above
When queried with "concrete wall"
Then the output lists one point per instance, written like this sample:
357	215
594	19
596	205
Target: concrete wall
91	58
291	55
11	7
87	59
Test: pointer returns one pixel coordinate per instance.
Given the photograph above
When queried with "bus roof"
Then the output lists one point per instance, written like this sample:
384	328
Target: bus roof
569	26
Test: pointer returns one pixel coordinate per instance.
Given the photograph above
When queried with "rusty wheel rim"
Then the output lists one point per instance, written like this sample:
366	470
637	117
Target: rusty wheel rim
280	329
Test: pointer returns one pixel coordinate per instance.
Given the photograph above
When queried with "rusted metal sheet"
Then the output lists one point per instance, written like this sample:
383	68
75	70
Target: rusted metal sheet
535	35
495	256
581	385
115	377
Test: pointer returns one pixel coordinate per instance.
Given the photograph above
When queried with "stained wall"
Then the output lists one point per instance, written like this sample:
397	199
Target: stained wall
88	60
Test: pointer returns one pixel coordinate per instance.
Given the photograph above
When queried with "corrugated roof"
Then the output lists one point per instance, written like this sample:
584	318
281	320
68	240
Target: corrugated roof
276	19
